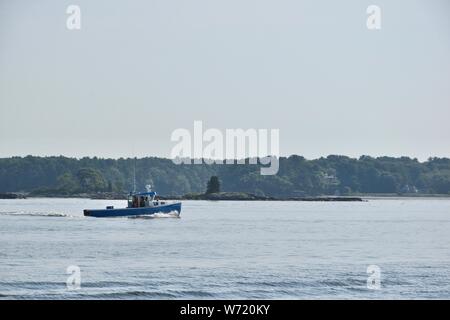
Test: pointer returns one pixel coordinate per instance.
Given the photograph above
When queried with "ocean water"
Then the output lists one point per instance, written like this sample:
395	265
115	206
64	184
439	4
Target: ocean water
229	250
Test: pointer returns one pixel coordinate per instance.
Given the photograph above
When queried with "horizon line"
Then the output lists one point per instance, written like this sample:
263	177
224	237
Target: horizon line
223	160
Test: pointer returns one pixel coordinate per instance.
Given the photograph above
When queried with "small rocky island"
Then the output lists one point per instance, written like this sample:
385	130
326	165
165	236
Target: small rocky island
243	196
213	193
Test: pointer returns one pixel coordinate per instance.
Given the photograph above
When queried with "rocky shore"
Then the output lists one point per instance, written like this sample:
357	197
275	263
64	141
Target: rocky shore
222	196
242	196
12	196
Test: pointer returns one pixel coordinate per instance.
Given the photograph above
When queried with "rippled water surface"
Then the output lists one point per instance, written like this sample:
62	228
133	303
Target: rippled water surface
280	250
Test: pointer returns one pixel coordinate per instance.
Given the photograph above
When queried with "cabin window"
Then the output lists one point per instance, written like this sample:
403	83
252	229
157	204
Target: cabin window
135	202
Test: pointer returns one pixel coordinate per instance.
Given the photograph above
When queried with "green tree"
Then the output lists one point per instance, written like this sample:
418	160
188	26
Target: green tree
110	186
91	180
67	183
213	185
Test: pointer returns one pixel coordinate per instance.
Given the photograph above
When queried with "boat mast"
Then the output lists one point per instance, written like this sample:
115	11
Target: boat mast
134	176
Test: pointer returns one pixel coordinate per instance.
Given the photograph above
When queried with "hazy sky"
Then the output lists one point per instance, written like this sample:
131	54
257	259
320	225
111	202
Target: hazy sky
137	70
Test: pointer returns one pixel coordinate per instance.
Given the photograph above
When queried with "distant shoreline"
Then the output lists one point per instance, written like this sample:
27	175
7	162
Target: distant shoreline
231	196
333	175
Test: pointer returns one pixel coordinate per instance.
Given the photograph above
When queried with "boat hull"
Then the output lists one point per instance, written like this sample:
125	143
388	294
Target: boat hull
124	212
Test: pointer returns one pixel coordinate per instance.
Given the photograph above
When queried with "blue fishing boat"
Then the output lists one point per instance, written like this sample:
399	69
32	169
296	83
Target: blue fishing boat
139	204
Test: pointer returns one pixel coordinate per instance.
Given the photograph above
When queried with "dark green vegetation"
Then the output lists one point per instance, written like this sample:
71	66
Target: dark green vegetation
213	185
297	177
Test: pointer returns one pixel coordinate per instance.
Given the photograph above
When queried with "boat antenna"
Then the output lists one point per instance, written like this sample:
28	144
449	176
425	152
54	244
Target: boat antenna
134	176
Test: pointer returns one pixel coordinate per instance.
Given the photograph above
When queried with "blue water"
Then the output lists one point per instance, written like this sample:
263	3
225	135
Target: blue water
279	250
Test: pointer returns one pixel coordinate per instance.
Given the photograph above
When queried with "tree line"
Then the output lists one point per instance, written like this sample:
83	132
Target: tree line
332	175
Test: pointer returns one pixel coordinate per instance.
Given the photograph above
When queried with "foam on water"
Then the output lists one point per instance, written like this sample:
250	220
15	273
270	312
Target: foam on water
172	214
37	214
